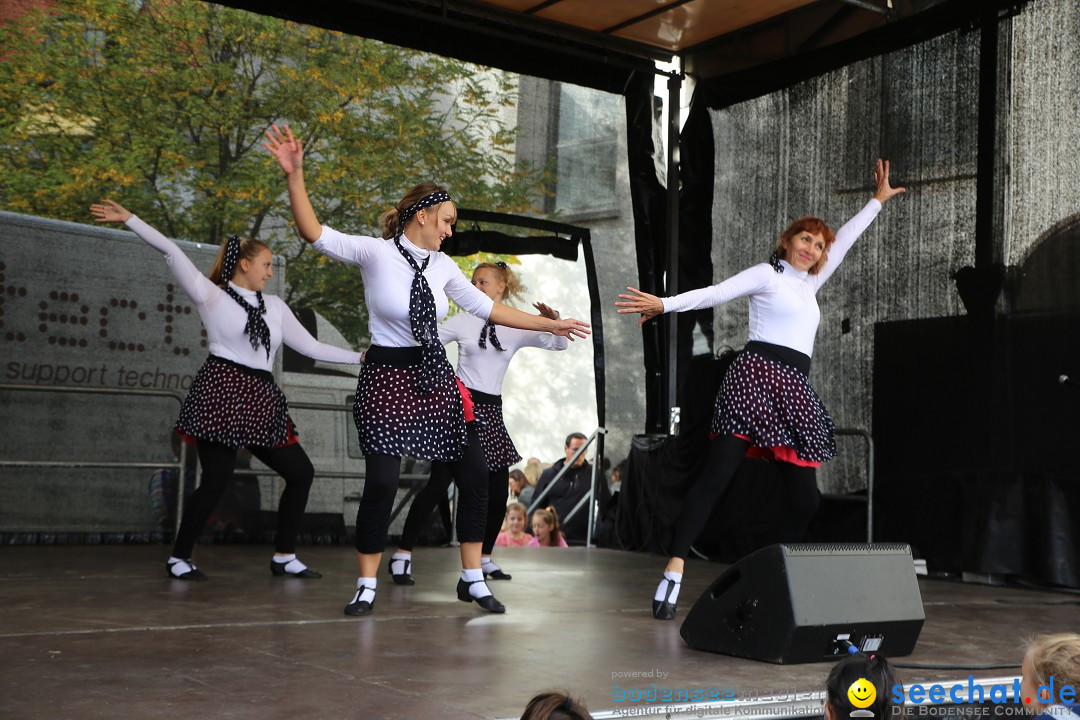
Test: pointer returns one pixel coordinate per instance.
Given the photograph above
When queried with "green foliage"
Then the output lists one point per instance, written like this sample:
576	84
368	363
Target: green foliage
162	106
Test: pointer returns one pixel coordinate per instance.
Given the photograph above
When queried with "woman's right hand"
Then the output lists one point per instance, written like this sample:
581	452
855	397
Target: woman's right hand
109	211
571	329
642	303
286	148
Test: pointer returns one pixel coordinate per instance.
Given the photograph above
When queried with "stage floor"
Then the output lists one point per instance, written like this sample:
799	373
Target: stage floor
100	632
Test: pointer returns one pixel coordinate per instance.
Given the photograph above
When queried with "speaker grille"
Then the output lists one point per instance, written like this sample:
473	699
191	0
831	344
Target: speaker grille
819	548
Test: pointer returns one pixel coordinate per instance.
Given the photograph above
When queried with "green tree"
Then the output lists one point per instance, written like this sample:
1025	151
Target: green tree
163	105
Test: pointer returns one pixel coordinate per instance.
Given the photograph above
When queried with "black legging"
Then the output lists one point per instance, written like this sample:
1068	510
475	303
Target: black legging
425	502
381	485
725	455
218	462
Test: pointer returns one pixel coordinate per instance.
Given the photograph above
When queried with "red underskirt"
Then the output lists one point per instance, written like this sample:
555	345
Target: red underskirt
780	453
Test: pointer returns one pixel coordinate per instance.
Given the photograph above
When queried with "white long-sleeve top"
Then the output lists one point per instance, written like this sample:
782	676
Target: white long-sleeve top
783	306
388	282
483	369
225	320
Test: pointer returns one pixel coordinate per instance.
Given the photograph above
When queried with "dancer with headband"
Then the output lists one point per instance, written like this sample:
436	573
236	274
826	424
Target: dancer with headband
234	401
408	401
484	355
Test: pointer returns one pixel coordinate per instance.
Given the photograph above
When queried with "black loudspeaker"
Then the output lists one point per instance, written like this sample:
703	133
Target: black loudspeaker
808	603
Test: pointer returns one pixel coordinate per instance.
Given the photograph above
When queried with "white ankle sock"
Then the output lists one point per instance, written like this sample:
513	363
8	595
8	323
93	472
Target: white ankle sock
477	587
399	561
179	566
661	589
368	585
487	566
294	566
284	558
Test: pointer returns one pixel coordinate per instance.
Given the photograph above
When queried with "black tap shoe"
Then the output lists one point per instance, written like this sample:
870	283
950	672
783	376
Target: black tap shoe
359	607
278	569
662	609
487	602
404	578
193	574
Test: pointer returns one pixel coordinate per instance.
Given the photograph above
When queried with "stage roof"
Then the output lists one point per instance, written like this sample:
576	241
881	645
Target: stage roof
735	49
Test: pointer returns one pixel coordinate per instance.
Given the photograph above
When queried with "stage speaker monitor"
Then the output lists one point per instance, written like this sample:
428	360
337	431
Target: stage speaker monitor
809	603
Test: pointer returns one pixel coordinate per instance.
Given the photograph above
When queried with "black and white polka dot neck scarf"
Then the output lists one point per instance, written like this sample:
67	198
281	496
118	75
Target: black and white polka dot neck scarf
489	331
775	259
256	328
425	328
433	364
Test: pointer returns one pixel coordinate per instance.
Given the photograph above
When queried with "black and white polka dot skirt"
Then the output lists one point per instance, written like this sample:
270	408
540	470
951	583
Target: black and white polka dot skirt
235	405
499	450
393	418
767	398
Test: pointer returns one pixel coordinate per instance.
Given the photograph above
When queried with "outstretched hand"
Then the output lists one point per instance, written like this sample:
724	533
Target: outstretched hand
638	302
109	211
884	191
571	328
286	148
546	310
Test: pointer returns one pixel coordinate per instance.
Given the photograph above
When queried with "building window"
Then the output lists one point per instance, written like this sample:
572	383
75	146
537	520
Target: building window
587	148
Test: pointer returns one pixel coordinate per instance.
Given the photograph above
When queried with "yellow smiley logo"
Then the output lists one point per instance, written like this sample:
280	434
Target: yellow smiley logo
862	693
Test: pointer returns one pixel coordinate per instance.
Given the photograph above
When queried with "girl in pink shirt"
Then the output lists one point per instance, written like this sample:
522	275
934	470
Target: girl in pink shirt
545	527
514	535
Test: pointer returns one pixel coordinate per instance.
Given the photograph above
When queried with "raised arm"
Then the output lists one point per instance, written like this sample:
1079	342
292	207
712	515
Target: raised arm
299	339
853	228
289	153
197	286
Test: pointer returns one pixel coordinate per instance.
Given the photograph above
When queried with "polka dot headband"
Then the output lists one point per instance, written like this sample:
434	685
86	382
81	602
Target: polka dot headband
435	198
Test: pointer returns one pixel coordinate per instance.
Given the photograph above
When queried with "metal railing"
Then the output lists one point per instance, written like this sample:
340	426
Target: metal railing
858	432
588	498
179	464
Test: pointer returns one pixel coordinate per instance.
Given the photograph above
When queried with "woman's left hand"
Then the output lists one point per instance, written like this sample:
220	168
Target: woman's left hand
881	179
648	306
571	328
546	310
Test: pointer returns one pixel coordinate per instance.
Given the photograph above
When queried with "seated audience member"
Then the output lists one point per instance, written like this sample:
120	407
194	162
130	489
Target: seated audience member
615	482
546	530
574	485
1052	663
555	706
532	472
514	535
516	483
874	669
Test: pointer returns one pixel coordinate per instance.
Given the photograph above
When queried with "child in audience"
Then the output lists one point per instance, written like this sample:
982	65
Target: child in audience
873	669
545	527
1051	663
514	535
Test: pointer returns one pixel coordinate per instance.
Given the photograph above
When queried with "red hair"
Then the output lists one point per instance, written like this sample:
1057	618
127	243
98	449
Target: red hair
814	226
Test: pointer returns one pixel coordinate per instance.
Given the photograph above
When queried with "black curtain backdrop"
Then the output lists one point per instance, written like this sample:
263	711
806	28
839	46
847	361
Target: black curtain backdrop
977	470
649	200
